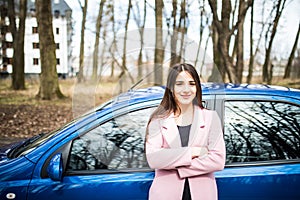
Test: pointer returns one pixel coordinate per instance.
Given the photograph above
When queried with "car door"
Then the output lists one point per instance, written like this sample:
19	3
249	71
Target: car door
107	161
262	136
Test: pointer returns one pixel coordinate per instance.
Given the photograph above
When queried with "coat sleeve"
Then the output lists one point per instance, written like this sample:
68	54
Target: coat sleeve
215	159
161	157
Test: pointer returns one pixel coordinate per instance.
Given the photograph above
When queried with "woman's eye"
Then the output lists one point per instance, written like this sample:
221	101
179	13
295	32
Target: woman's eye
192	83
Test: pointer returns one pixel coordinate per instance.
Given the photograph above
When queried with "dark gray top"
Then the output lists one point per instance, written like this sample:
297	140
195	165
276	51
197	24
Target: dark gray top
184	132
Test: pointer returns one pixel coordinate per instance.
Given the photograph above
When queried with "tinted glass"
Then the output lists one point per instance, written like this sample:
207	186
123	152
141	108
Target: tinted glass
261	131
116	144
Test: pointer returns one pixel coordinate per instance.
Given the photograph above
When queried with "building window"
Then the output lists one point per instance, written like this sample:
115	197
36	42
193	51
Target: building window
57	31
56	13
35	61
8	45
7	61
58	61
34	29
35	45
10	61
57	45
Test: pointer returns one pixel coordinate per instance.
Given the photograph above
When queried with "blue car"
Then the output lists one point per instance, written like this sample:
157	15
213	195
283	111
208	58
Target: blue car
101	155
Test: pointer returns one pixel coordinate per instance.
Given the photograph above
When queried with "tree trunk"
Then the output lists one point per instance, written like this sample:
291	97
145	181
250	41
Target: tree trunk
174	35
266	66
140	22
112	48
216	75
201	7
96	45
240	44
49	87
159	49
18	77
81	55
182	29
251	60
142	30
288	67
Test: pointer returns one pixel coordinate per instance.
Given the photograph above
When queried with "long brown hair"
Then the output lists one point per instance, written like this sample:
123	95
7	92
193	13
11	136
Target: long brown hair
168	104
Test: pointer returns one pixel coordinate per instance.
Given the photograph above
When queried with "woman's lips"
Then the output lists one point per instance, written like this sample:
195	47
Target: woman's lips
186	96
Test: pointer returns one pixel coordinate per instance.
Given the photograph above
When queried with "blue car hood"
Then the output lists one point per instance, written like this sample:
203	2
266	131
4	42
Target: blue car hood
7	148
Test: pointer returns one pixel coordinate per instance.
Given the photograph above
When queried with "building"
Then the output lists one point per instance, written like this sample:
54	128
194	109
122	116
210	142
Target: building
62	29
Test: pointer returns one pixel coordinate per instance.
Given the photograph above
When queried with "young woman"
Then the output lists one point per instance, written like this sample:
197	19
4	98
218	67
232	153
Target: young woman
184	142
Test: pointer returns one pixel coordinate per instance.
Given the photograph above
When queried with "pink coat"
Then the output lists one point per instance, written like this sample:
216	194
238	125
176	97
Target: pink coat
173	163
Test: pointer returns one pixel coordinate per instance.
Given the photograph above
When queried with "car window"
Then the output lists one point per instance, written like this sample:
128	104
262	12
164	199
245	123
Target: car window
261	131
116	144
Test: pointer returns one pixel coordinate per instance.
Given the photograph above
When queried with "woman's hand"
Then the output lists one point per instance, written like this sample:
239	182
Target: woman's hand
199	151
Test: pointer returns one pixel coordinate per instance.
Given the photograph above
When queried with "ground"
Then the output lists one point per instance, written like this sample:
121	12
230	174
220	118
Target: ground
23	116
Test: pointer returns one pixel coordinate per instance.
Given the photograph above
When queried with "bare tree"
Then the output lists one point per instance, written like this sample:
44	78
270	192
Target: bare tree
288	67
96	45
239	67
178	32
203	18
124	54
113	46
140	22
18	77
159	49
267	66
49	86
222	33
251	60
81	55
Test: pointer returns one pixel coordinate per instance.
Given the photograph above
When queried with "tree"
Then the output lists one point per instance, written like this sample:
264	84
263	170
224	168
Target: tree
49	86
267	66
159	50
251	60
18	77
203	18
113	46
96	45
178	32
222	33
124	63
81	55
288	67
140	22
239	67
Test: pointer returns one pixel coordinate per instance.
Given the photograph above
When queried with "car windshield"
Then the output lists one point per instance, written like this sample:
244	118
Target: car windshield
29	144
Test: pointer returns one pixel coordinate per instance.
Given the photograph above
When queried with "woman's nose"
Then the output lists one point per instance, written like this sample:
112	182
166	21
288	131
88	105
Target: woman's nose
186	88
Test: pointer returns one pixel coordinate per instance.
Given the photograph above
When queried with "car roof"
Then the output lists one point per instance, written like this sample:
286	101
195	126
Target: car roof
156	92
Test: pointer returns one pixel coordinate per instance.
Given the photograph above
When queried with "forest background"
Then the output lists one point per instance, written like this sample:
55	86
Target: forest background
122	43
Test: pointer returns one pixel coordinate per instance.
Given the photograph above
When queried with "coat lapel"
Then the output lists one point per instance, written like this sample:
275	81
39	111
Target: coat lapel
198	123
171	133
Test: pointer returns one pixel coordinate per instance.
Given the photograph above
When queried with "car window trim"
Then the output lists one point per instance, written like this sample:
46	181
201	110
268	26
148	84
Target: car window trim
262	163
107	171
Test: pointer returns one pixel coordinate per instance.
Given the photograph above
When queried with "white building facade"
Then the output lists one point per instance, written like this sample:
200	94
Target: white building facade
62	30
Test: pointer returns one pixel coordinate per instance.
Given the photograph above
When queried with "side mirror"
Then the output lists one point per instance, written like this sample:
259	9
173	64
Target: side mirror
55	167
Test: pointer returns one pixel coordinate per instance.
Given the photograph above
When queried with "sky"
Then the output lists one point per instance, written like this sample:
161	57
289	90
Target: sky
282	44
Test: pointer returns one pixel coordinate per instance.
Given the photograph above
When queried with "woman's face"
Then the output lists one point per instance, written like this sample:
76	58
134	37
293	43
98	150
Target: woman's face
184	88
